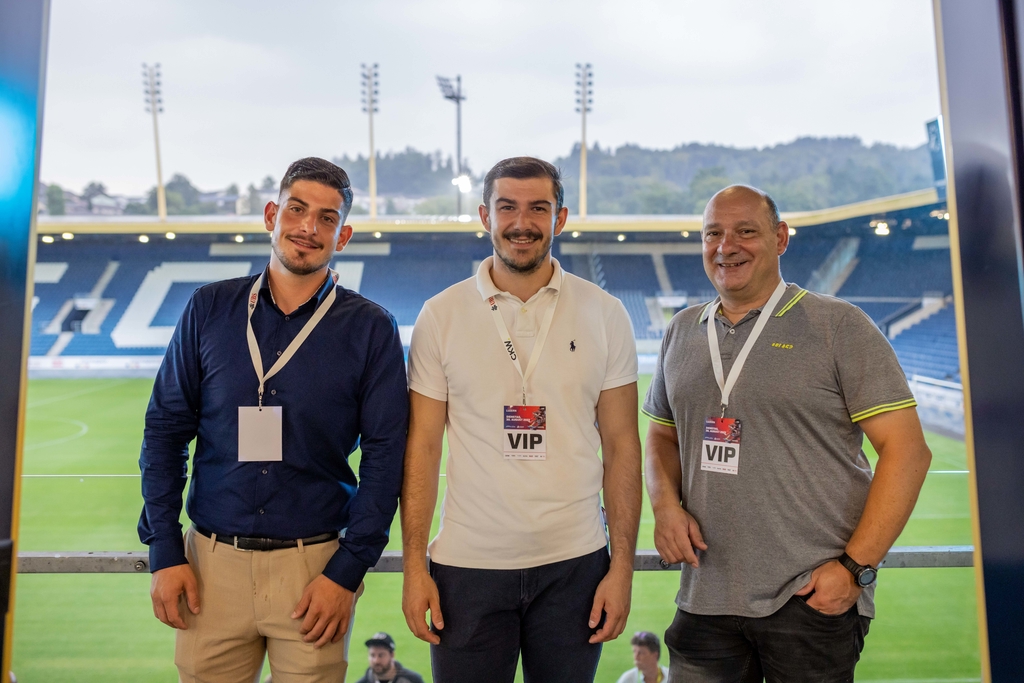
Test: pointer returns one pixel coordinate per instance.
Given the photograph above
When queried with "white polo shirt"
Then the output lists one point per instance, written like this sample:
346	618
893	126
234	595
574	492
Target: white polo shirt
500	513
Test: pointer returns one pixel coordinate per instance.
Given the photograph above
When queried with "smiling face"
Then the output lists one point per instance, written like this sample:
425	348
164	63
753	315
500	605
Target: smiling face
306	226
522	220
742	246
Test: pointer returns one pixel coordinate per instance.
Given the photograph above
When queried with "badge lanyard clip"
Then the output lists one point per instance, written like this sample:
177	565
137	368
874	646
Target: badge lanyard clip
307	329
542	336
726	384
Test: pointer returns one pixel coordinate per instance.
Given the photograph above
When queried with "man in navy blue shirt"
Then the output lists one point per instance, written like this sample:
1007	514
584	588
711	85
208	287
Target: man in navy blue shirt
279	378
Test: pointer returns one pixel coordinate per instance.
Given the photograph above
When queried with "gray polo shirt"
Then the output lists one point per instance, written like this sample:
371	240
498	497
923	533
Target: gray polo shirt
819	367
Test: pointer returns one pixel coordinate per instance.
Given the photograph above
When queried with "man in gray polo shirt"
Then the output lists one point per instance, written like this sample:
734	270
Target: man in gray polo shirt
755	465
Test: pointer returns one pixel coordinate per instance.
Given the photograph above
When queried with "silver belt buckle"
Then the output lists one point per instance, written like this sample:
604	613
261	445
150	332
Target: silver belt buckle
244	550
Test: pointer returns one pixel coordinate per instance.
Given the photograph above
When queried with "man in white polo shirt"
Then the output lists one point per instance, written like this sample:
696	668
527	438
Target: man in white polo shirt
532	370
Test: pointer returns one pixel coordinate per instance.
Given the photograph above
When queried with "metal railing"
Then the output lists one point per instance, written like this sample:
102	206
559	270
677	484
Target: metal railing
137	561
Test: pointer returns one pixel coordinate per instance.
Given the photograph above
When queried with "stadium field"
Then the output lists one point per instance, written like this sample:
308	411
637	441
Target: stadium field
81	492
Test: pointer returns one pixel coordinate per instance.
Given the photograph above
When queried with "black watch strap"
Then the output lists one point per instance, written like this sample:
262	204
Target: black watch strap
863	574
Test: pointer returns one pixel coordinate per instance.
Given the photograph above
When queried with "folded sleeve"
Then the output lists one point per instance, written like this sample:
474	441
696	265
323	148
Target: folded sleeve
622	363
870	376
656	405
426	370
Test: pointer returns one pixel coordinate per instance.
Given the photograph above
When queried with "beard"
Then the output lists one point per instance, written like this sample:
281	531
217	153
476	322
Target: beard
298	266
521	267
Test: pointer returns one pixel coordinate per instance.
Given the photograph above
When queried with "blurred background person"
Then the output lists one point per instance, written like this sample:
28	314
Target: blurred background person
384	668
646	652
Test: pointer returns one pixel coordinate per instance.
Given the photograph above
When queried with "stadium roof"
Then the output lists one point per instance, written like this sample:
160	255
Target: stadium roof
103	225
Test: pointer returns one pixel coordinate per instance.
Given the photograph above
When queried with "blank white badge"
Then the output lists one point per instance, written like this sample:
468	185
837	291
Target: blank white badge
259	433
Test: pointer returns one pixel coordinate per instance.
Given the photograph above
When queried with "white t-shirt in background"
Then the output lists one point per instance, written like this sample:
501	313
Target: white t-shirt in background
634	676
513	514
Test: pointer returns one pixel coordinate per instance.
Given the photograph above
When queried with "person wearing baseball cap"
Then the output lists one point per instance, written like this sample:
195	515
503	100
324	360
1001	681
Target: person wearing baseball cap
384	668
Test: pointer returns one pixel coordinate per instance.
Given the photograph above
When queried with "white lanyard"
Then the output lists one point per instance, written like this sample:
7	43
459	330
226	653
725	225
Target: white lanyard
542	336
254	349
726	385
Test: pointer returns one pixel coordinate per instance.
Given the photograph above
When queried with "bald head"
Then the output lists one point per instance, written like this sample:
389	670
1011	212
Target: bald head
771	209
743	239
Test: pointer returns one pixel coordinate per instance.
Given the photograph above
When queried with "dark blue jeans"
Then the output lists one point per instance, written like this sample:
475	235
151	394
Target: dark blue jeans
797	644
491	615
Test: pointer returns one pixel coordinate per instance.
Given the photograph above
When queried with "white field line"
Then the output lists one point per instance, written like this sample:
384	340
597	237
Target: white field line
75	394
921	680
442	474
78	476
83	429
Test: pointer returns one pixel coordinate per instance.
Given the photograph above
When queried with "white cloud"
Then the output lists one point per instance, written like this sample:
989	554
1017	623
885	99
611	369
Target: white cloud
250	86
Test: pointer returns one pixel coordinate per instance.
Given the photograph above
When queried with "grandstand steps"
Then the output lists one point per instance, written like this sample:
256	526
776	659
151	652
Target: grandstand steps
54	326
929	307
63	339
662	272
831	275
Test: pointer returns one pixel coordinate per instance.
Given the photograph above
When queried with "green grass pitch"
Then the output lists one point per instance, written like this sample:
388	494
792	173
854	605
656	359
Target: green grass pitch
85	628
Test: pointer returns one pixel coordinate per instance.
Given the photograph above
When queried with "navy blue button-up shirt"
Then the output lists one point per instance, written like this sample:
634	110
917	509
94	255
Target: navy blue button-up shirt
345	387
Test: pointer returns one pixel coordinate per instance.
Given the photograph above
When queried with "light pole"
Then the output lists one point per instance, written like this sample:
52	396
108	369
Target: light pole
454	94
584	98
371	81
155	105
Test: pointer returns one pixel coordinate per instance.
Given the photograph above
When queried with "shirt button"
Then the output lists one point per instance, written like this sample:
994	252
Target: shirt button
730	332
287	317
273	392
264	470
279	353
261	511
523	309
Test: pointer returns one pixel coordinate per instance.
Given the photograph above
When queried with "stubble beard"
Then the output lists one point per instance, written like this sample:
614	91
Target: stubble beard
521	268
295	266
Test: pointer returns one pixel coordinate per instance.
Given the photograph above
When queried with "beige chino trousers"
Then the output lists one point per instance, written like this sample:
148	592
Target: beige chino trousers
247	598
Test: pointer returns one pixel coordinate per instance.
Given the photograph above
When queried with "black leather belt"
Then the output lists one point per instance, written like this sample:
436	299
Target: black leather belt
250	543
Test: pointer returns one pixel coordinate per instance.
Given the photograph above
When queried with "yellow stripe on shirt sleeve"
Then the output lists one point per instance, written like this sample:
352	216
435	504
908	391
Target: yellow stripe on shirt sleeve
659	420
883	408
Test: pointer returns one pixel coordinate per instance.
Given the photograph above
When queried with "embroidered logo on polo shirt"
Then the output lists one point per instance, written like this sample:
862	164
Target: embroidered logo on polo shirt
572	345
780	345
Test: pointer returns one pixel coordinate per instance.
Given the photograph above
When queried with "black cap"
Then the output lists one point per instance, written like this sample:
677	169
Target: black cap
381	639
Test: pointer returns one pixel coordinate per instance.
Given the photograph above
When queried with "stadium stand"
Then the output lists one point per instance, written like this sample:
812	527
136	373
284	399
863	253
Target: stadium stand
111	295
929	348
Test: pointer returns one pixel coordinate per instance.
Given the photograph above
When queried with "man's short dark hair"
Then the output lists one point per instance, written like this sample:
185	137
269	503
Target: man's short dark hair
523	168
648	640
324	172
772	207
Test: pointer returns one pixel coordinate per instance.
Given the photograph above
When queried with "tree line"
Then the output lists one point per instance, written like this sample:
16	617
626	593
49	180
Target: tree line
806	174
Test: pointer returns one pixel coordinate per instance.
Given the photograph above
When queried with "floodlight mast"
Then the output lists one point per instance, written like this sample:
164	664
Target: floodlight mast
454	94
371	83
155	105
584	98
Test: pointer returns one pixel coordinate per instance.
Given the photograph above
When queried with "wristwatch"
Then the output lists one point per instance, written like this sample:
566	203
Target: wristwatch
863	574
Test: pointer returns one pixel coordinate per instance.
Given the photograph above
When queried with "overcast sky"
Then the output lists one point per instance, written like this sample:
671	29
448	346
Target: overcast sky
250	86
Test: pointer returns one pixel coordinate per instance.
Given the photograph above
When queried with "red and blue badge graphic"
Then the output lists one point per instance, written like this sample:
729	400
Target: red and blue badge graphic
524	433
720	450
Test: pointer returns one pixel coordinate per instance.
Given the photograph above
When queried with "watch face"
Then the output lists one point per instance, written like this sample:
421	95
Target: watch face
867	577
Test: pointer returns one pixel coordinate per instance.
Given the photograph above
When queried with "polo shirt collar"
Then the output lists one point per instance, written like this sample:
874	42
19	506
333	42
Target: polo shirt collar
316	299
487	288
707	308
